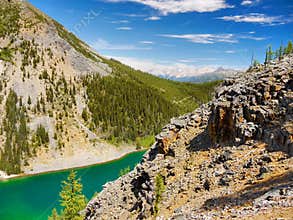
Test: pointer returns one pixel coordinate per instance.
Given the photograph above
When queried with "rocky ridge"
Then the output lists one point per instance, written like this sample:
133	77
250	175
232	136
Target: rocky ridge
230	158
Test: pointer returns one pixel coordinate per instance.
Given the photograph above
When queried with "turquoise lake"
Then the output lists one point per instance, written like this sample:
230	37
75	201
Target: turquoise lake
33	197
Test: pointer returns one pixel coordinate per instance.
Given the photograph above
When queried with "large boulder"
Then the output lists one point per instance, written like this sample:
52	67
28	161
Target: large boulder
221	125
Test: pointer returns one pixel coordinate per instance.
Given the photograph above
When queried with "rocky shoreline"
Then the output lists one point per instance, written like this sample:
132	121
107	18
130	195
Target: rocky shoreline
230	158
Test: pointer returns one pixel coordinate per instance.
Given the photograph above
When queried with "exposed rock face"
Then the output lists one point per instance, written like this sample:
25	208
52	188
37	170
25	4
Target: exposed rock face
222	123
229	158
255	107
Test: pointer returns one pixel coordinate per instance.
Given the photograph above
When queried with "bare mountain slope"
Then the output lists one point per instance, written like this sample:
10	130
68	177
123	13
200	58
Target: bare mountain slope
44	71
230	158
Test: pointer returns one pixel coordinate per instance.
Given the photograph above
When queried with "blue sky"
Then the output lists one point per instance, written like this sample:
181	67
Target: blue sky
177	37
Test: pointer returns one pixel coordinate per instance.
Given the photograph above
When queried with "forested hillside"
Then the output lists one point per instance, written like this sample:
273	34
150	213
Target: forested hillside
131	104
15	128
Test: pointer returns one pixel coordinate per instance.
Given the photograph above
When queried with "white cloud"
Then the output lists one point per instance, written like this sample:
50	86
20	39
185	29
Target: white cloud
198	60
249	2
146	42
120	22
230	51
102	44
249	37
131	15
204	38
213	38
254	18
246	2
176	69
181	6
124	28
153	18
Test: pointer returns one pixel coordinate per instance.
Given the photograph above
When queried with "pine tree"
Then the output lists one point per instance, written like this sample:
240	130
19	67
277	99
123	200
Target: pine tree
269	55
29	101
255	63
159	190
54	215
23	132
267	58
289	48
20	101
124	171
84	114
38	106
281	52
252	59
72	199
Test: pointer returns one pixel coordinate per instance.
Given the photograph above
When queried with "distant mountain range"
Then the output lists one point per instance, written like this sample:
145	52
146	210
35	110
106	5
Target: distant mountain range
218	74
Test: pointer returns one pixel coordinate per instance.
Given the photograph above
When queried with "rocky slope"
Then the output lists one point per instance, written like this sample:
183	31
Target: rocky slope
230	158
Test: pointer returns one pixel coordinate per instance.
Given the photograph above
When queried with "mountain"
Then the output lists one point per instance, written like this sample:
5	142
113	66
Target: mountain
230	158
218	74
63	105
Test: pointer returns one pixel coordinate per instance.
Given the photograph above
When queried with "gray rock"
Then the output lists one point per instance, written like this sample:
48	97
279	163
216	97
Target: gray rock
179	123
263	170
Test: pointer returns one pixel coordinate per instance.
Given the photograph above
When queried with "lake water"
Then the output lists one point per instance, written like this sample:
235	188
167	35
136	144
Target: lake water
33	197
